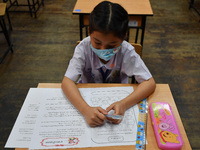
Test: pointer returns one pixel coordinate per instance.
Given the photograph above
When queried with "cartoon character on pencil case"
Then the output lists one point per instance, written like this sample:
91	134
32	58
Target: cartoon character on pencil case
167	136
166	125
167	112
163	124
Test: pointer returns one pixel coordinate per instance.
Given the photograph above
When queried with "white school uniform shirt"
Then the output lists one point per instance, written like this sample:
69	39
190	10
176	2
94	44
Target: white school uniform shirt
125	63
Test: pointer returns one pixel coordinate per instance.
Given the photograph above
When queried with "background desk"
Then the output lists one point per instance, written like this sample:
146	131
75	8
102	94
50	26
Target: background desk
161	94
137	10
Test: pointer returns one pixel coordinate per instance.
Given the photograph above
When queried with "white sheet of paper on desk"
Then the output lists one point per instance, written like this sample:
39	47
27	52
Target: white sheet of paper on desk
110	134
60	125
20	136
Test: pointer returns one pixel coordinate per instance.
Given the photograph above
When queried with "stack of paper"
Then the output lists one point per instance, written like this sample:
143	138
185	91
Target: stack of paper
48	120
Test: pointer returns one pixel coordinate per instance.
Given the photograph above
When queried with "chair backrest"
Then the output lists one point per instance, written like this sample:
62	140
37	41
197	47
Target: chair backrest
77	42
138	47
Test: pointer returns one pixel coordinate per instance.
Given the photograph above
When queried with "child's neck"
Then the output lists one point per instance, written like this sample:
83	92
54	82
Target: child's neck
103	61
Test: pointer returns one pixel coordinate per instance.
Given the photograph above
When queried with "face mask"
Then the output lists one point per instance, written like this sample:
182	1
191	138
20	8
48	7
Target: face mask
106	54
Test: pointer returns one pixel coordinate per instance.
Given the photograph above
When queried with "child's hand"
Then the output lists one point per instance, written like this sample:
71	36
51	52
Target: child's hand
95	116
119	109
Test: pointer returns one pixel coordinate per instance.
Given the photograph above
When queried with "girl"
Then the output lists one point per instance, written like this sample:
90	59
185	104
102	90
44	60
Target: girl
104	57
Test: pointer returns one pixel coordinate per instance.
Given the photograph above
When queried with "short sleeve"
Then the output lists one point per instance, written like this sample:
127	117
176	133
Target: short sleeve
133	65
77	63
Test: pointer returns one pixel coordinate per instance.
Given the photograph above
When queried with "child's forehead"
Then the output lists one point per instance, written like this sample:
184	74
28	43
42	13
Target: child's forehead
104	37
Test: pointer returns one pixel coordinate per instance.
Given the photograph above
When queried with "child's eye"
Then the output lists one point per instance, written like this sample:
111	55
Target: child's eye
97	43
111	46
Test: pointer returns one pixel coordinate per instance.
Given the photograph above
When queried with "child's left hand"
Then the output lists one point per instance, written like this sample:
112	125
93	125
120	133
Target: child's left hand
119	109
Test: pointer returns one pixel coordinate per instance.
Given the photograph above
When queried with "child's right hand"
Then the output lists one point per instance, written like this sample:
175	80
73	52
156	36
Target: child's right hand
95	116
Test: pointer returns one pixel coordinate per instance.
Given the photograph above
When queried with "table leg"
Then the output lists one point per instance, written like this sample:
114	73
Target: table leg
143	29
10	26
6	34
81	26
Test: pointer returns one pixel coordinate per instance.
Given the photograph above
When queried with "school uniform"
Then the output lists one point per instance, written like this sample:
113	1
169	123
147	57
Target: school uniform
125	63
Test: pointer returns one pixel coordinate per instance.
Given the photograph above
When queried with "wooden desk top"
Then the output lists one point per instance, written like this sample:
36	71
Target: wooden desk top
133	7
161	94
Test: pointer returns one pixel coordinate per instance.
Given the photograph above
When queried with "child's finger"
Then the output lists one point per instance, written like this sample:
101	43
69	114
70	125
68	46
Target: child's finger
110	108
98	122
116	121
103	111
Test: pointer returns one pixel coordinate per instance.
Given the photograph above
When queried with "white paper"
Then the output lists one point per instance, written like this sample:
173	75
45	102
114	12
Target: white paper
60	125
110	134
22	131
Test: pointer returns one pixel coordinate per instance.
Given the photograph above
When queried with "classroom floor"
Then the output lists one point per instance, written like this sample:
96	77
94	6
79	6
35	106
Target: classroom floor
44	46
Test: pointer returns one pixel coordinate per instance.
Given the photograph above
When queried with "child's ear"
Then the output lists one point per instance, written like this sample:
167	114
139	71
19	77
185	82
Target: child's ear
126	37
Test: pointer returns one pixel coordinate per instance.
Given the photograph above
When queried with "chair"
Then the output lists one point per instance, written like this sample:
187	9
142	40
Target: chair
192	5
33	6
3	12
138	50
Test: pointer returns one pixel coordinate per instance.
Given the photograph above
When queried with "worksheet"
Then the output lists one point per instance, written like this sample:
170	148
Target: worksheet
58	124
110	134
22	131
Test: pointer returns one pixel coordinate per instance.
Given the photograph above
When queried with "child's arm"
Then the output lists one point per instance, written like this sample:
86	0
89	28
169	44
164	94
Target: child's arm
143	90
94	116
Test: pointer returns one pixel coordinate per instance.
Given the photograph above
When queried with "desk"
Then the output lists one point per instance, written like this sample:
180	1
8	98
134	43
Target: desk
33	6
161	94
192	5
137	11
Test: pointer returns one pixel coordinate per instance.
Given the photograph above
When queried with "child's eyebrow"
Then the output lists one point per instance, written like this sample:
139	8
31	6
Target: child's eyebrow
113	42
96	39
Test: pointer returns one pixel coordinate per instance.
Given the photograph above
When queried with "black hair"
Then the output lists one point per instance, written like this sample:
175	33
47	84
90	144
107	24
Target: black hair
108	17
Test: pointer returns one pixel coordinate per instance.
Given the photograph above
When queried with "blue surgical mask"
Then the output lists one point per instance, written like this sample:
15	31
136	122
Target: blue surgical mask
105	54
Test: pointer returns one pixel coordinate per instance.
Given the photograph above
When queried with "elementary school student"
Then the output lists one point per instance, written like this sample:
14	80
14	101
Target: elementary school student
105	57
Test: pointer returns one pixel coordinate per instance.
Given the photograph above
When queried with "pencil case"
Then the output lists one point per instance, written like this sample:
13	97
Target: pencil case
165	127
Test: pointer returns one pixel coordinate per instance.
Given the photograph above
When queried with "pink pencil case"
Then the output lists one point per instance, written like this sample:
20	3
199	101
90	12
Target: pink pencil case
165	127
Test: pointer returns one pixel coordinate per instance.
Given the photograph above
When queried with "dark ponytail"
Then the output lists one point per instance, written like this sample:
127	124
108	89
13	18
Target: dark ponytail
109	17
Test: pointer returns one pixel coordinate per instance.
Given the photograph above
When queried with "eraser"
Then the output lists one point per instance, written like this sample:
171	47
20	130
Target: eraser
119	117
